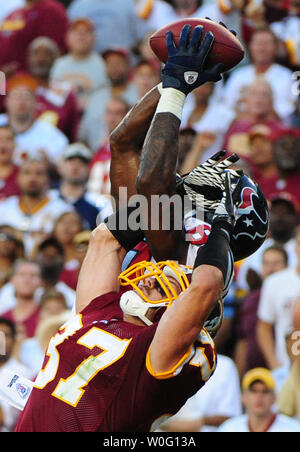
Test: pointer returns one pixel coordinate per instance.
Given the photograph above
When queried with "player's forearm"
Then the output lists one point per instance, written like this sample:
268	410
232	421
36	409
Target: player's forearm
100	268
157	172
159	157
181	324
126	143
266	342
156	178
132	130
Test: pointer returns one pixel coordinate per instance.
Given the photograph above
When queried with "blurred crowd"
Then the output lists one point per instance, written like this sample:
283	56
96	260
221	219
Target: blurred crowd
73	69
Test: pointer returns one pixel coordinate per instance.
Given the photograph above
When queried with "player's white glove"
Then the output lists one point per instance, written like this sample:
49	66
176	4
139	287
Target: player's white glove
226	212
205	184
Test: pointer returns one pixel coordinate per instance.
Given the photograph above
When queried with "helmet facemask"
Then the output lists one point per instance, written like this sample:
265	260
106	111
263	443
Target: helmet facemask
136	302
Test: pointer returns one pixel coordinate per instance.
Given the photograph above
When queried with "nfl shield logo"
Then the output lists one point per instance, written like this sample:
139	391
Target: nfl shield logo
22	390
190	77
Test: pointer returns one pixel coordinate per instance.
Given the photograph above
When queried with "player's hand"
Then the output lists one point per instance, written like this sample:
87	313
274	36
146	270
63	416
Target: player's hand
203	185
226	212
184	69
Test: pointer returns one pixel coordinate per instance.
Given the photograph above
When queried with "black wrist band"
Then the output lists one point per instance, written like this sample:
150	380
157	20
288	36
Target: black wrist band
118	225
216	251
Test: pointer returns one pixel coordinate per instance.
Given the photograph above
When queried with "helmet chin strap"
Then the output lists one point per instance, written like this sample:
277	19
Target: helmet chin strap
132	304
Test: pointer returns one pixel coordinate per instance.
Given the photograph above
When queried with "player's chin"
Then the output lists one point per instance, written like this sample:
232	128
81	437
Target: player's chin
159	313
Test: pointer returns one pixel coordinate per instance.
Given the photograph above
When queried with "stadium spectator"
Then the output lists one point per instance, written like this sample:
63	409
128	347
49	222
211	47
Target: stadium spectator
159	13
8	169
25	279
145	77
263	47
50	256
34	137
287	159
35	210
247	353
146	53
281	374
294	120
65	229
278	296
258	398
253	18
214	404
74	172
18	29
8	7
8	414
99	181
283	222
32	350
275	10
56	102
82	67
9	252
119	71
116	22
71	269
275	160
289	396
209	119
261	157
288	31
258	109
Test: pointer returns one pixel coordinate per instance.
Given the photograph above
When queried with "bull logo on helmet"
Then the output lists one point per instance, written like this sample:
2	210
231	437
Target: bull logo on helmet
249	214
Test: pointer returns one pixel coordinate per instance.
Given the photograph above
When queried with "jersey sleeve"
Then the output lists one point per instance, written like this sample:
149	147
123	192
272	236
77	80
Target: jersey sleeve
200	355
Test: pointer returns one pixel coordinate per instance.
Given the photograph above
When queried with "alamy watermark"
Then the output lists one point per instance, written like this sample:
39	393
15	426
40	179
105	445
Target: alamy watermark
159	212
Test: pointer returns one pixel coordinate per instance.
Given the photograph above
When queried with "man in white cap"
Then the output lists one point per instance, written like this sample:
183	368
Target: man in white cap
74	172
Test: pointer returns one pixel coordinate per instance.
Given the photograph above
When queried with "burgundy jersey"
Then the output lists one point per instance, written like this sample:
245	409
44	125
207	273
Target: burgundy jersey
97	376
22	26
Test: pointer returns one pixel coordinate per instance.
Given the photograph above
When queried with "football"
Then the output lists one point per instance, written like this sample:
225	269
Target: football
226	48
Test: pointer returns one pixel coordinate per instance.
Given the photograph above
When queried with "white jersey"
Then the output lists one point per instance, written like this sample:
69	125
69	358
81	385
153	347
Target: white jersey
42	138
279	78
43	219
217	397
288	31
240	424
159	13
278	296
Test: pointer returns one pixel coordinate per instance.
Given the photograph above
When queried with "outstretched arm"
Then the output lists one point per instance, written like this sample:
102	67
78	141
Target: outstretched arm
157	177
101	267
126	143
182	322
183	72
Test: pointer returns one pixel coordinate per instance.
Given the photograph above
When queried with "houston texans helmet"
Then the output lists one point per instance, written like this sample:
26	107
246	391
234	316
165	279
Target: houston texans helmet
252	223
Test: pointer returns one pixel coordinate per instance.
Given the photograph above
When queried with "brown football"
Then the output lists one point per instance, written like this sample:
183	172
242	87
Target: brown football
226	48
